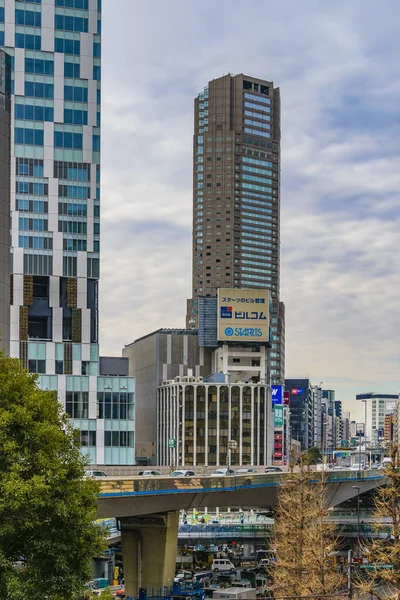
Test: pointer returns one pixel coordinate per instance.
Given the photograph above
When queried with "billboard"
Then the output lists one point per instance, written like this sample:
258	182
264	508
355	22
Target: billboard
243	315
277	394
278	415
297	391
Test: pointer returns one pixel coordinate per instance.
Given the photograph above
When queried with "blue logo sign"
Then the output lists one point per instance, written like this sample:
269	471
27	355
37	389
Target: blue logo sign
277	394
226	312
243	332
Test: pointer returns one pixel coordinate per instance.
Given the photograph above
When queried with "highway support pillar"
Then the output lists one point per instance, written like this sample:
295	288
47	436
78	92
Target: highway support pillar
149	545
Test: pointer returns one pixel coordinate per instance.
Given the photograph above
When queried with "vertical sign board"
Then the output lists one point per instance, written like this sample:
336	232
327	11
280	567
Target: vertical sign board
277	394
243	315
278	415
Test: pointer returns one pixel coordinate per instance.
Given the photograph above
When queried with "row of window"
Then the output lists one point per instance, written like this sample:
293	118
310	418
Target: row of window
257	106
28	18
75	117
26	224
37	89
27	41
256	161
260	188
250	195
34	189
74	245
31	137
260	276
74	191
248	237
257	132
265	228
255	178
75	94
27	112
255	98
72	210
67	139
83	4
32	206
72	227
36	243
256	264
258	221
32	167
71	170
257	124
252	113
68	23
67	46
256	170
39	66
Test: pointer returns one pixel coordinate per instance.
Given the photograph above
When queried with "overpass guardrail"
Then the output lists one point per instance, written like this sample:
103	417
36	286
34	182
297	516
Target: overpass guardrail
126	486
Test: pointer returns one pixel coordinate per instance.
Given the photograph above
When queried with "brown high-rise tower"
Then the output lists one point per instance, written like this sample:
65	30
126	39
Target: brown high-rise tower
236	196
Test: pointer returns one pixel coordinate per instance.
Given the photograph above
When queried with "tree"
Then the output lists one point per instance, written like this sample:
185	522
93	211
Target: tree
385	550
312	455
48	534
305	543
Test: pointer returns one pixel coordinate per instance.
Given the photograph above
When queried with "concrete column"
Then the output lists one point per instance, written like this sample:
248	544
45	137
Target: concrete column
149	551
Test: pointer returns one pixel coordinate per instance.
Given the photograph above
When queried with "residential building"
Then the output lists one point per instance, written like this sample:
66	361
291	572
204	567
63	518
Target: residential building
318	417
5	226
338	423
55	49
346	433
377	406
301	411
236	198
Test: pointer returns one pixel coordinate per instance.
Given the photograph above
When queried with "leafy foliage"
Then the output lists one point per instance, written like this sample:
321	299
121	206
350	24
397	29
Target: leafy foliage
47	509
385	550
305	543
312	455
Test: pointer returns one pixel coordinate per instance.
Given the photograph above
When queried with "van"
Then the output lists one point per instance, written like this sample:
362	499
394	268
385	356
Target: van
222	564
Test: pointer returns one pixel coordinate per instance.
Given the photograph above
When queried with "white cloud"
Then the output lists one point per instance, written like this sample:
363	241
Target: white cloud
335	64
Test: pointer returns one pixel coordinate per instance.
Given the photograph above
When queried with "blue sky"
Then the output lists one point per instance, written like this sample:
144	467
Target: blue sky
337	65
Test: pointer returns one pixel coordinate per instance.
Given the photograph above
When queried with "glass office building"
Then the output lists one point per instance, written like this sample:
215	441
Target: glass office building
55	49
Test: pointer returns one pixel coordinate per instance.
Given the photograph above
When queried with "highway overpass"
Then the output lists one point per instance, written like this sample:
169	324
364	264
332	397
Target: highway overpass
147	509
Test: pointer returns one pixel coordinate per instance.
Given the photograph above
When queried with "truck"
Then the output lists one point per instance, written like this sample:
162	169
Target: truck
236	593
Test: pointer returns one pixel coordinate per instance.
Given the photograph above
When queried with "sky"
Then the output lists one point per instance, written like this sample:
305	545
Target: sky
337	65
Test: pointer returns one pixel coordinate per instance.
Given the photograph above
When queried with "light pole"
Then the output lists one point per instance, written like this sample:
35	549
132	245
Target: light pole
357	487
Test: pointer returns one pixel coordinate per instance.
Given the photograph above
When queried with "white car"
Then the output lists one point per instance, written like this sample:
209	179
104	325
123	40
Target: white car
182	473
249	470
224	472
357	467
94	474
150	474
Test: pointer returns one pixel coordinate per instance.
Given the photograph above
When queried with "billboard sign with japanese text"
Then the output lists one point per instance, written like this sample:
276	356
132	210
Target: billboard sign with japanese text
243	315
278	415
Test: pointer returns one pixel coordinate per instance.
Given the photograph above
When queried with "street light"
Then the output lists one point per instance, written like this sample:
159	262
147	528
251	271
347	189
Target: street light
357	487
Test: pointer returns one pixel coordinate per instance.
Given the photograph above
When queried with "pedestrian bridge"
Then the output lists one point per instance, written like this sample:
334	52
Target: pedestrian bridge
139	496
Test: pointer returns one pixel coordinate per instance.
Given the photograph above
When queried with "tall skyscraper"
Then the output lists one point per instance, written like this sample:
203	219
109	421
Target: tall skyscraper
55	49
236	197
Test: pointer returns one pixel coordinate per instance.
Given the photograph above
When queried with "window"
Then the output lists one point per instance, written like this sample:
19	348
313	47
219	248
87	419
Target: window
96	50
96	143
39	90
30	137
29	166
256	132
72	171
30	42
87	438
77	405
34	113
67	46
28	17
96	73
38	66
69	23
67	139
73	4
72	227
37	366
75	94
75	117
115	405
118	439
72	70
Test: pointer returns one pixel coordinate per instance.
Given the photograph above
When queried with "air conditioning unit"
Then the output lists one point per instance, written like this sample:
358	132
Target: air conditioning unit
199	379
192	379
178	379
185	378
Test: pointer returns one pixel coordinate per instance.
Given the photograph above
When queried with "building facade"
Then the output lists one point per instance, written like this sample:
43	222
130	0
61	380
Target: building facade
301	411
197	419
55	50
236	197
160	356
377	406
5	164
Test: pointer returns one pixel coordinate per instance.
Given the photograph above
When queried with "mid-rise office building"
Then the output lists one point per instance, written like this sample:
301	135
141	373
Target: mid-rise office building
55	50
301	411
377	406
236	198
5	162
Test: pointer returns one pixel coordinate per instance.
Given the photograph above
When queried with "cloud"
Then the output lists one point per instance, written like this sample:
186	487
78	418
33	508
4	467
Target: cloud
337	66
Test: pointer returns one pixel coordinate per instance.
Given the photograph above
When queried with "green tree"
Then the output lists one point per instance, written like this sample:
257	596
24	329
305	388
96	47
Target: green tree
305	543
48	533
312	455
385	548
